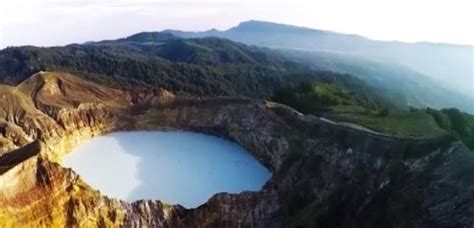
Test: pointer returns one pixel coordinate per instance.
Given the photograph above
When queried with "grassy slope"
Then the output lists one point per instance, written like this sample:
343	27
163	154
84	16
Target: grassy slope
418	123
330	101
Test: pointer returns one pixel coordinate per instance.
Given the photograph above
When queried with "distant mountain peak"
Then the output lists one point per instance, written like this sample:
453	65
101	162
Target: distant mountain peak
151	37
259	22
265	26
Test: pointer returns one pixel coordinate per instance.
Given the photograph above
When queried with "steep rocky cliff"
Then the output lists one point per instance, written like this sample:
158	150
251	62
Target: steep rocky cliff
324	174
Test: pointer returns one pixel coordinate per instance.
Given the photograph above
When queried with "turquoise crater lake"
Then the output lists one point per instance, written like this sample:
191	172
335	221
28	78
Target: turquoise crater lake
175	167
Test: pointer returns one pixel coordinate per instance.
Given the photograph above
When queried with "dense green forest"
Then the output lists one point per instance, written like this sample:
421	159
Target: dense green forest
127	66
203	67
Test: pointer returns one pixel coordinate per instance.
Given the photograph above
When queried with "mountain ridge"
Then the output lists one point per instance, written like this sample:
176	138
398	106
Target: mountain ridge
253	22
436	60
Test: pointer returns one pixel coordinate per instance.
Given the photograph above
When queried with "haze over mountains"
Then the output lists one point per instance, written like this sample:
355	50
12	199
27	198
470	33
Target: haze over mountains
448	64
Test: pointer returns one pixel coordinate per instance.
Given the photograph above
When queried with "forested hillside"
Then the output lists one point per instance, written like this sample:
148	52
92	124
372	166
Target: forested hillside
126	65
425	74
458	123
208	66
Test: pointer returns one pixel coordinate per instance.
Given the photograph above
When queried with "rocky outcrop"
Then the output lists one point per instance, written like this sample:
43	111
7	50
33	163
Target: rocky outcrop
324	174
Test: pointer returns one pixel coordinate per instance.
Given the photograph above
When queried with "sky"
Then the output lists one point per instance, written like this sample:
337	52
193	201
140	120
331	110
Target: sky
54	22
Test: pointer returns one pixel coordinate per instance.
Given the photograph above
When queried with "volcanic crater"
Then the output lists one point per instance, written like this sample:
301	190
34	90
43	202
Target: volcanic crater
325	174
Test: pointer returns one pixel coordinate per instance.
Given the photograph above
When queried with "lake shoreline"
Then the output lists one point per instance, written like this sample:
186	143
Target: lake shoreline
164	165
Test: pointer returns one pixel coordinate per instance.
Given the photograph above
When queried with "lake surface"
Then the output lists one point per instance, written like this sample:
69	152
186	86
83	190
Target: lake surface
175	167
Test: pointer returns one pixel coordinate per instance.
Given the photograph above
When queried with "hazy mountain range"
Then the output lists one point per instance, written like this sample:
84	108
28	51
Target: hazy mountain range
451	65
439	74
